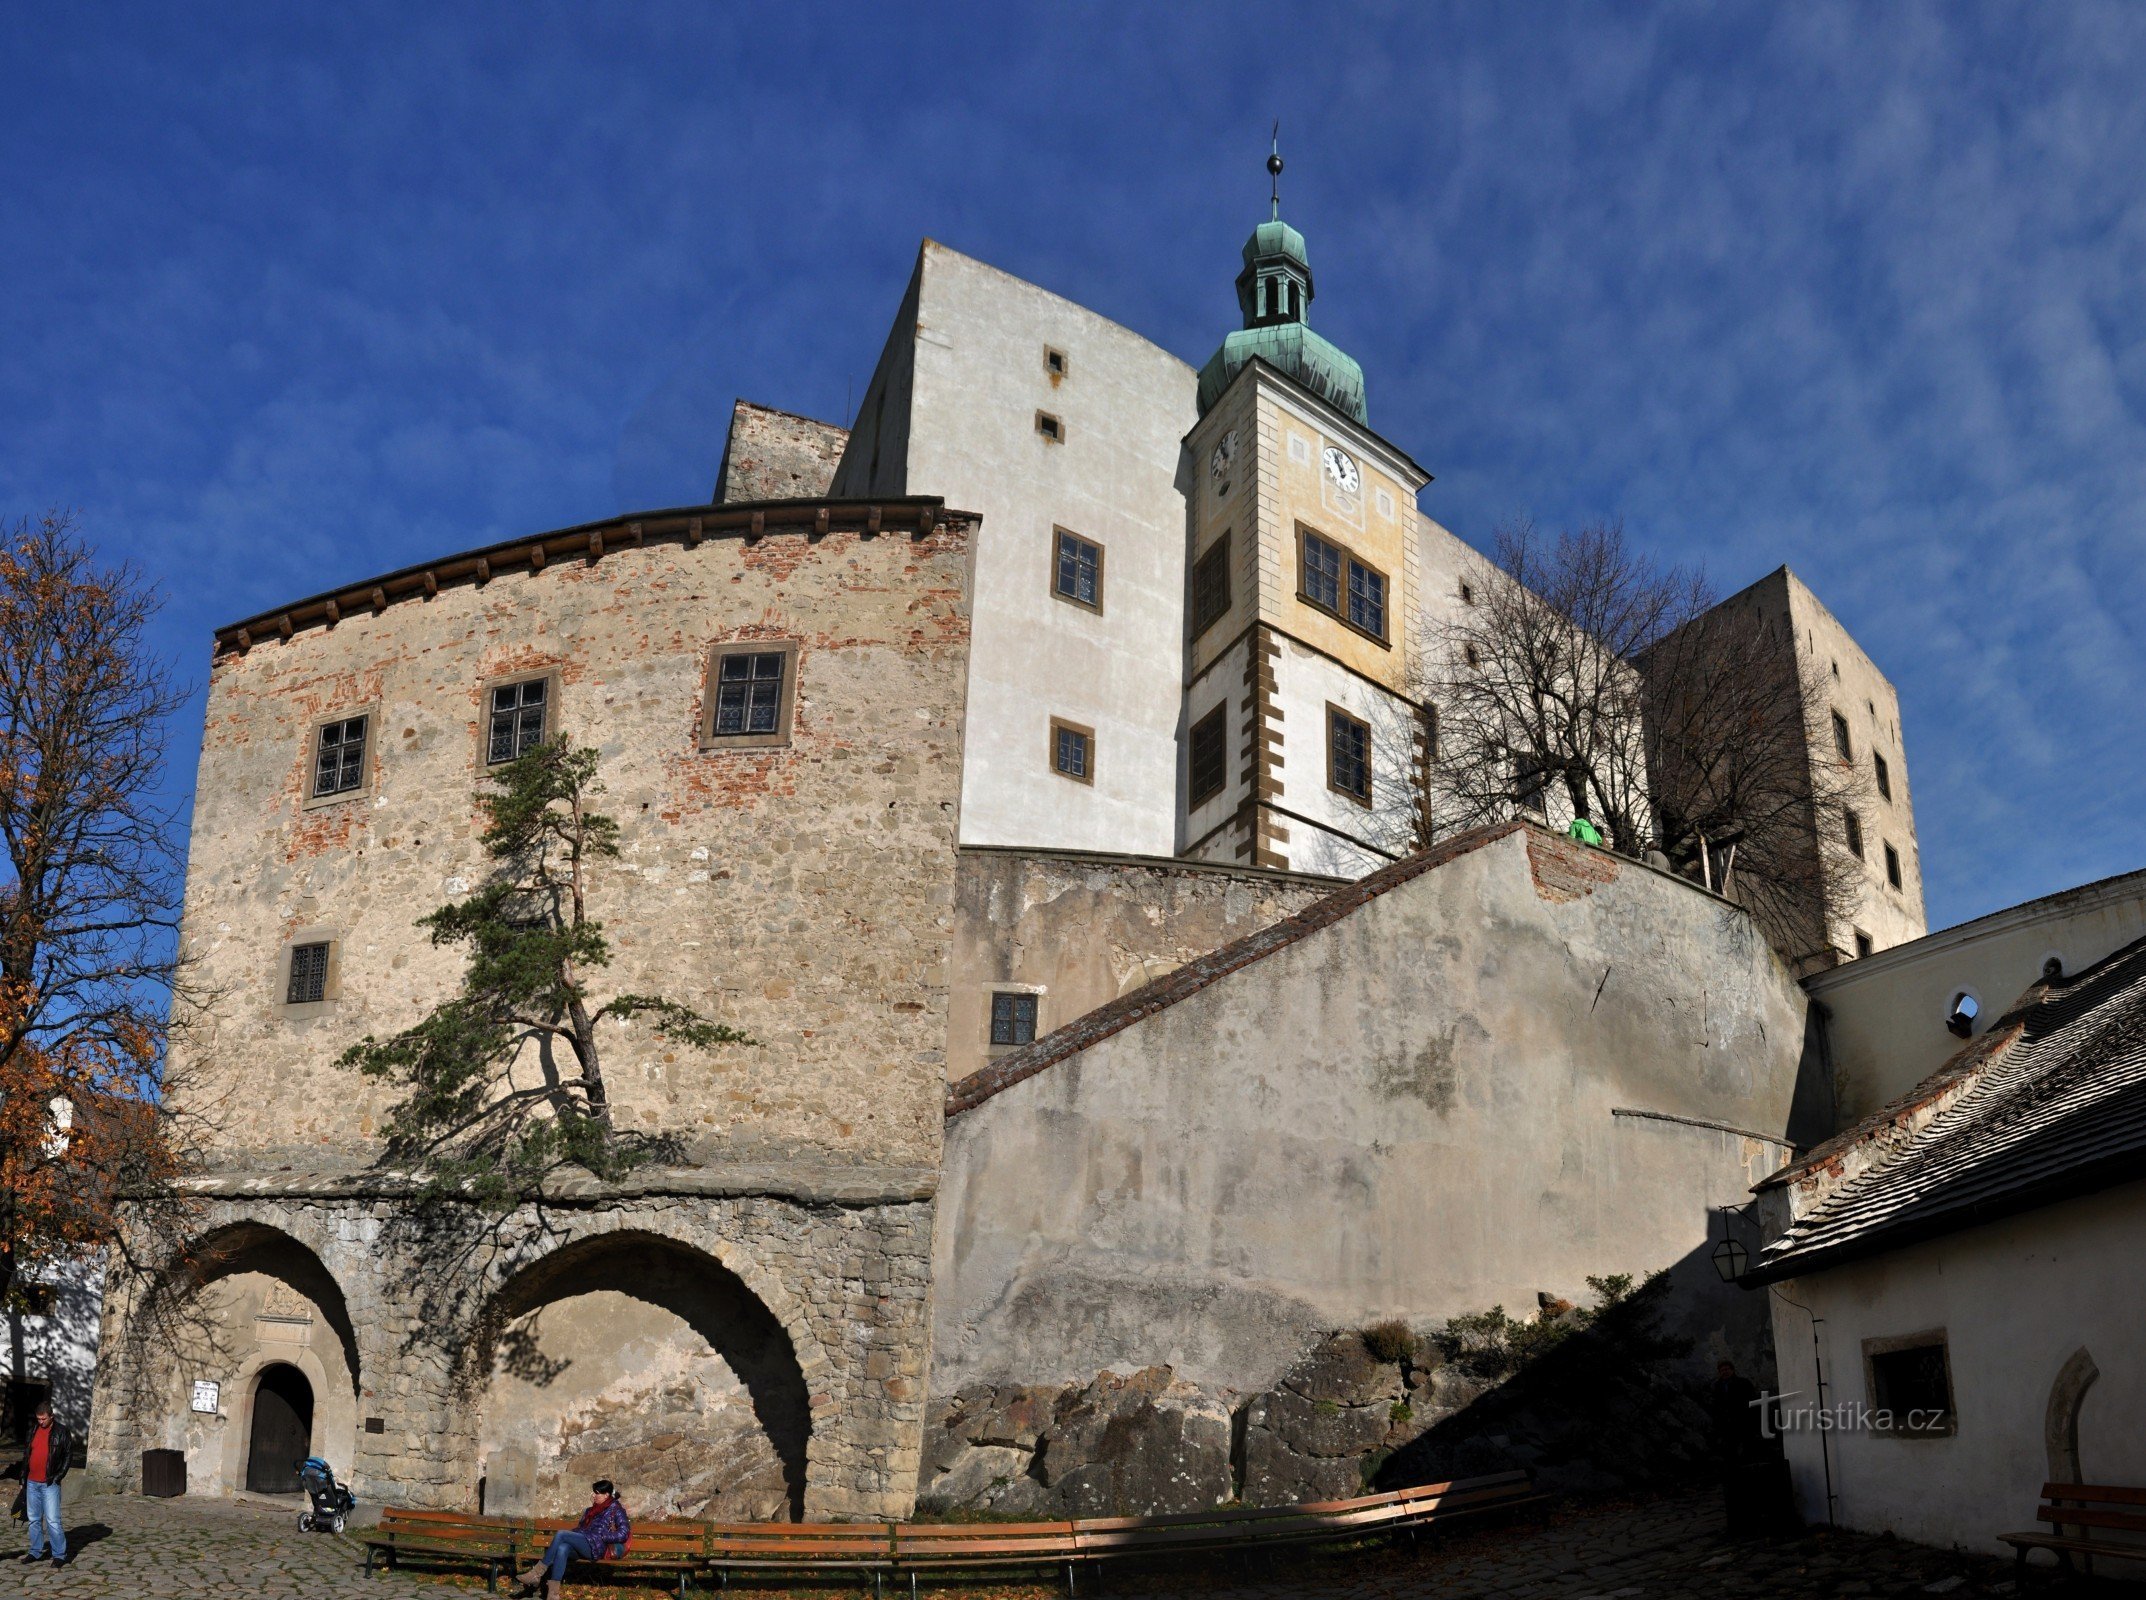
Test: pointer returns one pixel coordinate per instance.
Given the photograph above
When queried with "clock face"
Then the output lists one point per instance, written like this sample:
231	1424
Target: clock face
1342	470
1225	453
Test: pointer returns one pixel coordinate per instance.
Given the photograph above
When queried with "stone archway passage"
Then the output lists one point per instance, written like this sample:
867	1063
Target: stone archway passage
281	1434
635	1358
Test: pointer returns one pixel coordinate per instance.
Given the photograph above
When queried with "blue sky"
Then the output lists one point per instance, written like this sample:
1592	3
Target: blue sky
291	295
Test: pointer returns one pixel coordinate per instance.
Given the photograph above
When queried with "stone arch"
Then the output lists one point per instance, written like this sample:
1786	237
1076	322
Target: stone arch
639	1357
245	1295
2060	1425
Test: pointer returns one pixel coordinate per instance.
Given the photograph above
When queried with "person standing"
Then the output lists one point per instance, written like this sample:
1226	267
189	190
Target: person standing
46	1465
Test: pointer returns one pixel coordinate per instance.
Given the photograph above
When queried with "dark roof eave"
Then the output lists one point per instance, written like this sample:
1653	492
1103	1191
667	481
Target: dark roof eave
916	514
2089	1177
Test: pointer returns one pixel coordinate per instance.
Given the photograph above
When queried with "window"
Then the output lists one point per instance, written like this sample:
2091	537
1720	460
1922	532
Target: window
1320	582
339	757
1013	1018
1467	593
1073	750
1853	825
1471	655
1050	427
1054	361
1840	737
1367	599
308	983
1348	755
519	716
1892	866
1210	587
1910	1381
1209	767
1077	573
749	694
1531	781
1863	944
1885	776
1332	578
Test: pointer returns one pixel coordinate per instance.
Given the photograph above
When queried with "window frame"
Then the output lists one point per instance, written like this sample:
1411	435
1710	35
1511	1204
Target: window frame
1058	536
1852	831
1339	611
1051	750
550	678
364	785
1055	433
1865	945
1883	773
1843	740
1340	713
709	739
331	978
1900	1344
1218	554
1895	871
1217	719
1056	363
1016	993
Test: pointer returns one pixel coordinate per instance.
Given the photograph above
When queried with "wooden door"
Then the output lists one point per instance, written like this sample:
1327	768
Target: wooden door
282	1433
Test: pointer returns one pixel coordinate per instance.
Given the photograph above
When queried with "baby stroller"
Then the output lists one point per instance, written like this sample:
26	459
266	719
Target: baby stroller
331	1501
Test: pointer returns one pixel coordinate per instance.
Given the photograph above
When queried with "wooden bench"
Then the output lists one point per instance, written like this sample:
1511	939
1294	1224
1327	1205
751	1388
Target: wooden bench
673	1548
2087	1508
922	1547
443	1537
798	1547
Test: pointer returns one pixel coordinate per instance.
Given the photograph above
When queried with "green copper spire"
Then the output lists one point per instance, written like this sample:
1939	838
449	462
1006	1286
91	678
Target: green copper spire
1274	292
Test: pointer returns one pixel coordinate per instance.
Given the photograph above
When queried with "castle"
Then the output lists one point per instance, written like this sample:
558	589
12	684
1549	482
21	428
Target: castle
1008	767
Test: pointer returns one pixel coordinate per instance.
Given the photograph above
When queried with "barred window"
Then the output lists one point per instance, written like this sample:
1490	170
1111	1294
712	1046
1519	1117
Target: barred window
748	693
1348	755
1209	767
309	975
519	715
339	757
1322	573
1078	574
1211	587
1013	1018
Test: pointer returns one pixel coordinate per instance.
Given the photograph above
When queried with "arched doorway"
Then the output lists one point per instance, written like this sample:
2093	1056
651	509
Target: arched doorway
282	1432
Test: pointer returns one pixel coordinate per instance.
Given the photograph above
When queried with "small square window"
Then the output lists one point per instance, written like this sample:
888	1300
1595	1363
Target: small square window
1910	1382
1884	775
1892	866
1013	1018
750	691
308	984
1077	571
1852	825
1348	755
1073	751
1211	587
1840	737
1863	944
1320	579
339	757
1050	427
1208	769
1467	593
519	719
1054	361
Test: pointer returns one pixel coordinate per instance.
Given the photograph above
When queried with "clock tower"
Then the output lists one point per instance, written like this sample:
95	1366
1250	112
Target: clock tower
1304	748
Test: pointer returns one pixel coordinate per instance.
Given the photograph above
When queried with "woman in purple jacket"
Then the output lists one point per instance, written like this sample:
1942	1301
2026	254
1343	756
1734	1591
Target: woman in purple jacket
602	1533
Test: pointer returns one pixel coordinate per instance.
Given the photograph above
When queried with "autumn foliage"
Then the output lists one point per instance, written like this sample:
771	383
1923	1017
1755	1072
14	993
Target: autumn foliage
88	910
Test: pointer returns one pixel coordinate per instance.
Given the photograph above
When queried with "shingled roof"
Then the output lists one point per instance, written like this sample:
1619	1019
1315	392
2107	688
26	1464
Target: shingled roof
2053	1106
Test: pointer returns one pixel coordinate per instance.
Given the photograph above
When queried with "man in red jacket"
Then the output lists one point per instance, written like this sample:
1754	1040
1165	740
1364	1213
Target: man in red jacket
50	1447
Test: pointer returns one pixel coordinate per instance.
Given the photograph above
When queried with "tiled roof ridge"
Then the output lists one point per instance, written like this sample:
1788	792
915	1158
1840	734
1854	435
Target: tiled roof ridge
1117	1015
2006	1096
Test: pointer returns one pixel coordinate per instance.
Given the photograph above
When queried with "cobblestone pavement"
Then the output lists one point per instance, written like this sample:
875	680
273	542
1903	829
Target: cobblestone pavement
1667	1550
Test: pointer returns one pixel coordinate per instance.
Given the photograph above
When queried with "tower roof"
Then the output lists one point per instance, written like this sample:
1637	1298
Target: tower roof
1274	291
